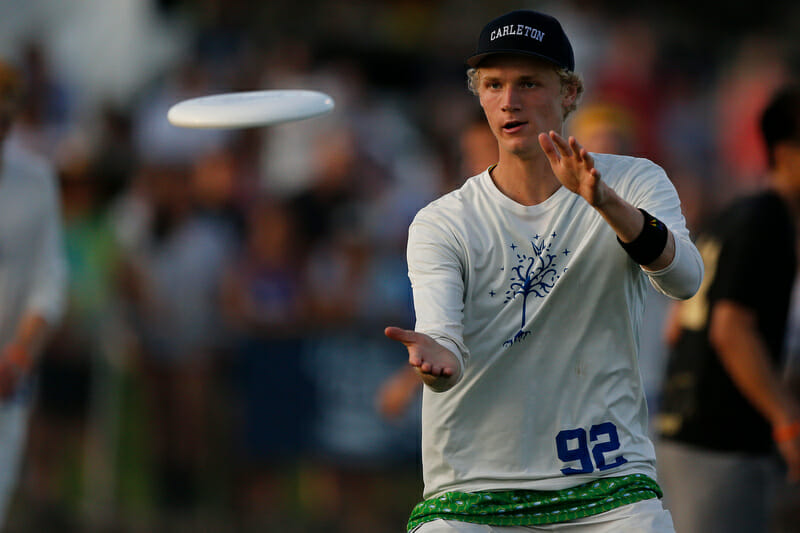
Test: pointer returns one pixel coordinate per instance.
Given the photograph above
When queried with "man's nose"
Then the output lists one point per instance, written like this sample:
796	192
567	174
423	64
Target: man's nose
510	101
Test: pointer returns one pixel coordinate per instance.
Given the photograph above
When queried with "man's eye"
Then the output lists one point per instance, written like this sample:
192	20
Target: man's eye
529	84
494	84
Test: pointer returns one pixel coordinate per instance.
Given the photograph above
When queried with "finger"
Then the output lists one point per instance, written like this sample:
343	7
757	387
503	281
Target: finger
562	145
587	158
440	371
576	148
443	371
549	148
401	335
435	370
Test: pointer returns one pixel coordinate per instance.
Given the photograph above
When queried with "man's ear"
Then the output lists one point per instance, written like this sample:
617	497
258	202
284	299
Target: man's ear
570	94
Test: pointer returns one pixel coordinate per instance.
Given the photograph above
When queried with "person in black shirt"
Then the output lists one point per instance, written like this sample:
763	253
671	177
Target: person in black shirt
725	408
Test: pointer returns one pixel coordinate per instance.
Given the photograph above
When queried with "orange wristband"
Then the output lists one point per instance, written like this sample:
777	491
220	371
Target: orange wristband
786	432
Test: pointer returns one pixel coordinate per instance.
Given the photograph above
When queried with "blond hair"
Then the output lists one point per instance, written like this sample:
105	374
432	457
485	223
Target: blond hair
568	79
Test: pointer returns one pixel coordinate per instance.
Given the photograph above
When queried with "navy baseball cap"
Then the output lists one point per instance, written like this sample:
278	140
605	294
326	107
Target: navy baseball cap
528	33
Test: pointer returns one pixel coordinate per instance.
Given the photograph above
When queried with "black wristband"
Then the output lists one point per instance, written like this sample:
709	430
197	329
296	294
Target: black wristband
646	248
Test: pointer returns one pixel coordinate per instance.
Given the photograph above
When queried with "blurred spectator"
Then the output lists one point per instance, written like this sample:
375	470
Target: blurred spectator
477	149
355	278
32	280
355	452
45	118
746	84
725	407
73	367
113	158
684	127
330	202
786	512
605	128
174	271
215	184
265	311
286	168
627	78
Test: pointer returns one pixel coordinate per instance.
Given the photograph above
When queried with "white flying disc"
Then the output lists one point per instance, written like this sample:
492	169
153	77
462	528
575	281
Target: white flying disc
249	109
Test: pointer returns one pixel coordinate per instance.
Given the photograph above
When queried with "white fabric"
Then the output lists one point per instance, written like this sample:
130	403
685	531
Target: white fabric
32	262
32	280
567	359
13	430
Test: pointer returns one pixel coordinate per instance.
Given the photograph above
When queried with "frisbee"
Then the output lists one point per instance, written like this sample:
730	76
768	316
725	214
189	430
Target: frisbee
249	109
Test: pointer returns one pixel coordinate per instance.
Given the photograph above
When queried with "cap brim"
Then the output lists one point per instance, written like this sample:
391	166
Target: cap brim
474	61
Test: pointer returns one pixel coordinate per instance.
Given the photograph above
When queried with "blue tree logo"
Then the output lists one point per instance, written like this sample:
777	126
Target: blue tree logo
534	275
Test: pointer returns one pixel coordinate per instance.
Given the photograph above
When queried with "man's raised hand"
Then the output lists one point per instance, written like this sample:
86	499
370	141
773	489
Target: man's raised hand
573	166
436	365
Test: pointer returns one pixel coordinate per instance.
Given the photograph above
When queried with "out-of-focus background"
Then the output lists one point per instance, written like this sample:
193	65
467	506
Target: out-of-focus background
221	361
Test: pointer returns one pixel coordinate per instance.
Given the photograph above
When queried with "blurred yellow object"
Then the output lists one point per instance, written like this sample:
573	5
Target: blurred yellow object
604	128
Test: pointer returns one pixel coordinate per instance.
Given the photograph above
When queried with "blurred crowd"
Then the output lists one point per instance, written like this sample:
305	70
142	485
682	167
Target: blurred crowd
221	362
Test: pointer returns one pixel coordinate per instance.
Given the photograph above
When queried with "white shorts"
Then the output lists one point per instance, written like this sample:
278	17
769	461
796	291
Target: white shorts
647	516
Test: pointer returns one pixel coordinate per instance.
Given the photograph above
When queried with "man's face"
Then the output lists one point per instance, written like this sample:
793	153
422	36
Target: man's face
521	97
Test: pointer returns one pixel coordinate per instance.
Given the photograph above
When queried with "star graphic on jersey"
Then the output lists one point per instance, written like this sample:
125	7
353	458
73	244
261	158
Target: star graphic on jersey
513	246
566	252
492	293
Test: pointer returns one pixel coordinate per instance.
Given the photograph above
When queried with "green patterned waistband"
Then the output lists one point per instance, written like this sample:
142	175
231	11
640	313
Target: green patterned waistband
533	507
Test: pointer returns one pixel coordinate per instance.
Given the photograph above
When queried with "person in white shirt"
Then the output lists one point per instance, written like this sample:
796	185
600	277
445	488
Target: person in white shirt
32	279
529	285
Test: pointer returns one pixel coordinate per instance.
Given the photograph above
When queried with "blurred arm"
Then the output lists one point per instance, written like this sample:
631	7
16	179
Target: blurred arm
19	355
745	356
734	336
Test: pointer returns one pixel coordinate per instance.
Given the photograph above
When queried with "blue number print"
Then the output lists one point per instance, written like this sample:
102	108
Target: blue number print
580	451
612	444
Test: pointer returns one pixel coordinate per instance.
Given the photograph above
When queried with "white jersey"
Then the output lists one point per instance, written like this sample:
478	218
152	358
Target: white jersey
543	307
32	262
32	280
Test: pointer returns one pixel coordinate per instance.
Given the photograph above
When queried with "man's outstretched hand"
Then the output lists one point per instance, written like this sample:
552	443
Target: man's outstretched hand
574	167
436	365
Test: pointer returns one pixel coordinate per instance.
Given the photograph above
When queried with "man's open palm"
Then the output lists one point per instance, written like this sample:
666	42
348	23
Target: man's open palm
437	366
573	166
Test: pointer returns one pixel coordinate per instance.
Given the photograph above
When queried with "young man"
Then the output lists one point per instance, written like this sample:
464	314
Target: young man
725	408
32	280
528	289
